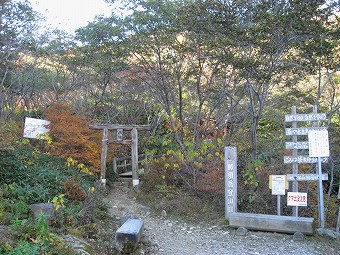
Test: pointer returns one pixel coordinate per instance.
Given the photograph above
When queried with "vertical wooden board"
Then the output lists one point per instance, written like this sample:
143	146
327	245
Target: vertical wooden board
230	166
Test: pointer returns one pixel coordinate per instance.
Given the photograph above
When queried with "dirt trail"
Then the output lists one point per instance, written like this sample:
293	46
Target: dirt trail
163	235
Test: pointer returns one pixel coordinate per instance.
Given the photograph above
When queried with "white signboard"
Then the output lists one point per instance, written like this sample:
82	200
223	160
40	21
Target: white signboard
120	134
302	159
305	117
35	127
318	143
306	177
297	145
296	199
302	131
278	184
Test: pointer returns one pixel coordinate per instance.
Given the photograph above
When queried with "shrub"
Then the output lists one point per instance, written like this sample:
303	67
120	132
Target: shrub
210	184
73	190
163	175
72	137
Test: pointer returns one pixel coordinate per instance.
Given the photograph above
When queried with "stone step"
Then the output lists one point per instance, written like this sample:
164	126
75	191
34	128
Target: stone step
126	174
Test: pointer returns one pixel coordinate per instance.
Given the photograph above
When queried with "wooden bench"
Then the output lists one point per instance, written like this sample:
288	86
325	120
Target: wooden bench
130	232
274	223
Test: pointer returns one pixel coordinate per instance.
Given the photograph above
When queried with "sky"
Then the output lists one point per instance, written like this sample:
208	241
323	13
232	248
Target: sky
69	15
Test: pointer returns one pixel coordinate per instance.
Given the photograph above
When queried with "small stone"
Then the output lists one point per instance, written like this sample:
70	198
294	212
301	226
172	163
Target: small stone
144	209
298	236
125	190
241	231
164	214
226	233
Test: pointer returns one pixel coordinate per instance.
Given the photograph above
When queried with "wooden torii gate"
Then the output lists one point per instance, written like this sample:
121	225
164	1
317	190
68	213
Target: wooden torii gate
119	139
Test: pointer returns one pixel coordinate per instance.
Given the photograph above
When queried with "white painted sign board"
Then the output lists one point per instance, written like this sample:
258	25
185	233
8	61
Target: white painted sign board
35	127
278	184
306	177
297	145
305	117
302	159
302	131
231	184
318	143
120	134
296	199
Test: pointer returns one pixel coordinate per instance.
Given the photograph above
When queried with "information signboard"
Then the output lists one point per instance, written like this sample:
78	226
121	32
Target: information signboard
231	186
278	184
297	199
120	134
297	145
306	177
35	127
318	143
302	159
305	117
302	130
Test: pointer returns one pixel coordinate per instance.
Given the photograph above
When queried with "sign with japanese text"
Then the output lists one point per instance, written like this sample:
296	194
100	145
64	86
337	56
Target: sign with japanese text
231	186
35	127
305	117
302	159
297	199
306	177
278	184
297	145
303	130
120	134
318	143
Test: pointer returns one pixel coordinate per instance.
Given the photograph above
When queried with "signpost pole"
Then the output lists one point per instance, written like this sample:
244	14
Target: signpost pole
295	166
321	208
278	205
338	219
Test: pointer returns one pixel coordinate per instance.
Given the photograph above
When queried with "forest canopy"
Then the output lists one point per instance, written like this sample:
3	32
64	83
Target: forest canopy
196	71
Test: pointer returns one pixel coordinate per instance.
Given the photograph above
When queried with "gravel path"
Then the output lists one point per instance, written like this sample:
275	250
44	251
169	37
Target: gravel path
163	235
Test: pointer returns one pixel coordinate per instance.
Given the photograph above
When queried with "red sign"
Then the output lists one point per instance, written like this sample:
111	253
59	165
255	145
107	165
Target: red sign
296	199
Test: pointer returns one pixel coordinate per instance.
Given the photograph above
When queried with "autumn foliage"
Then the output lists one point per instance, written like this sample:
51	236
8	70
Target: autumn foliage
71	136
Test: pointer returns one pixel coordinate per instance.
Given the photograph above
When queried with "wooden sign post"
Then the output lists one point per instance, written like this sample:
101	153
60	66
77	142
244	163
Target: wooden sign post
278	184
314	146
230	164
338	219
